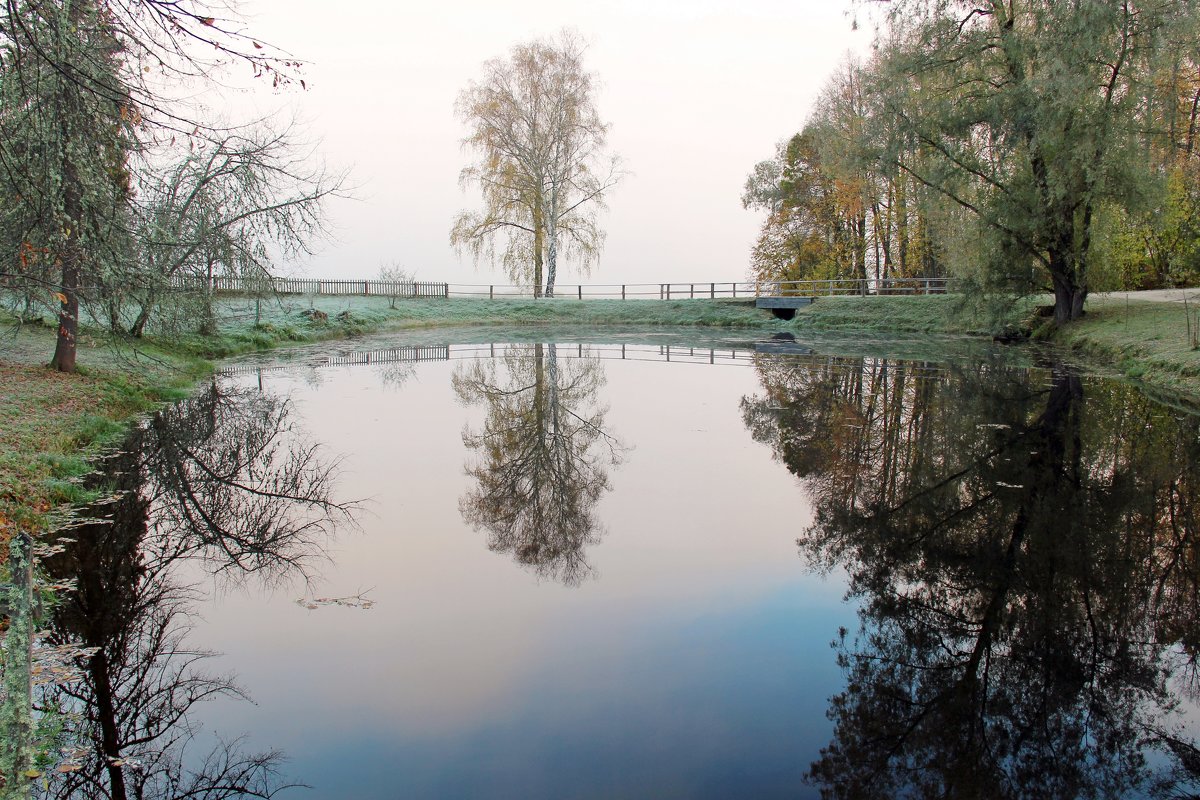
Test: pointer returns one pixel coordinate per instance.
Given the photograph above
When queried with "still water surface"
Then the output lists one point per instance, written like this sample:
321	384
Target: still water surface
628	569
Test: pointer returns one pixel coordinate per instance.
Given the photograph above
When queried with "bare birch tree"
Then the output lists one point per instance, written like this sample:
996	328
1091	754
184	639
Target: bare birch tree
541	163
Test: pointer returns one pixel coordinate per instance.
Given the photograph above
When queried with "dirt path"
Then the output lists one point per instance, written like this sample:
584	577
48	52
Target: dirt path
1154	295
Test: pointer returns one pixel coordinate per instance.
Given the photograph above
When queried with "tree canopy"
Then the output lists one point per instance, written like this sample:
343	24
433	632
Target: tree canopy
540	162
112	189
1023	144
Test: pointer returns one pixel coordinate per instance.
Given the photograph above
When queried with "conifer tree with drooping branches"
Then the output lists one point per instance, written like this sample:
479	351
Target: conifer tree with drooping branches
85	104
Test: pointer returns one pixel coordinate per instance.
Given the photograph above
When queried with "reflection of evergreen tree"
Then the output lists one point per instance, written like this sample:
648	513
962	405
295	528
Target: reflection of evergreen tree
223	477
1027	568
543	455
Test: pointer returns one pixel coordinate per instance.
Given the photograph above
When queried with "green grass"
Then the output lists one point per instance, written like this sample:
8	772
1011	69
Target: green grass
1144	341
924	314
50	424
375	312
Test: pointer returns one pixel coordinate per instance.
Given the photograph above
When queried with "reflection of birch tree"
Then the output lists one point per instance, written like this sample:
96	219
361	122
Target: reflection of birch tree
542	457
1028	577
224	478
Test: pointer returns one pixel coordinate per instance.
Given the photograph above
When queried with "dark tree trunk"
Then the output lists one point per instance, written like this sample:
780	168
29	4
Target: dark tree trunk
1068	294
106	714
139	324
72	273
68	321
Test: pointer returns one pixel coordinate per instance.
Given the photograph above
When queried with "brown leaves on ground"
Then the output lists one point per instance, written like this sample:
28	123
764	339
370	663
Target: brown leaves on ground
39	411
37	404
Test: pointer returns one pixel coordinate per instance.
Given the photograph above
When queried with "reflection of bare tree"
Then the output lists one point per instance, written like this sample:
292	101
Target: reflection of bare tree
543	457
1028	566
237	483
224	478
395	375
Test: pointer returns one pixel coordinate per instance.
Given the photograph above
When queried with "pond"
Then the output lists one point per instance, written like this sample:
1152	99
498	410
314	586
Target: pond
530	565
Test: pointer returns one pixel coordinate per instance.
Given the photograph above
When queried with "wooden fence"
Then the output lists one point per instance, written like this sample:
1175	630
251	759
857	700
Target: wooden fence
222	283
710	290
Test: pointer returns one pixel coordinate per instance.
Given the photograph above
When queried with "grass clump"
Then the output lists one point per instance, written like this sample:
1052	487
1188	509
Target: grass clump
51	424
947	314
1150	342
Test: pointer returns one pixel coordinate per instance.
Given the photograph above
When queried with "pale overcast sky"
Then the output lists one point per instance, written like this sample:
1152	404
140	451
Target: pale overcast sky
696	91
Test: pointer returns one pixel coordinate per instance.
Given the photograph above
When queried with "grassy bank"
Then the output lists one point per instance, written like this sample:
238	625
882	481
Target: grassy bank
1153	343
50	424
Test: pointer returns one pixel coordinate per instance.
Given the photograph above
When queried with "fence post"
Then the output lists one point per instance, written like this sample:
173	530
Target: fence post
622	291
712	288
366	288
492	292
692	291
581	291
16	743
734	289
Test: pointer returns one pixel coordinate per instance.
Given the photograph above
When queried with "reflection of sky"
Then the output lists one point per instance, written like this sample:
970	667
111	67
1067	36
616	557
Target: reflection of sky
697	663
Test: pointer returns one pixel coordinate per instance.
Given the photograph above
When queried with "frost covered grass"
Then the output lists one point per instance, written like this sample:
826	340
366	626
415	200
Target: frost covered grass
51	423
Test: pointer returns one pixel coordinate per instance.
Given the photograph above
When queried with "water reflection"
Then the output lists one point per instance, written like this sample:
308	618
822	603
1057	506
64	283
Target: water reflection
541	456
224	479
1024	552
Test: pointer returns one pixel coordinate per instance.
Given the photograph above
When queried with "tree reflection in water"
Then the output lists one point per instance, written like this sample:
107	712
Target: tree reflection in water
542	457
1025	555
224	478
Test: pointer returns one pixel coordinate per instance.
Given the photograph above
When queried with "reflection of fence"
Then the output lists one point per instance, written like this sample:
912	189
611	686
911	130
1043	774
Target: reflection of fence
710	290
744	355
394	355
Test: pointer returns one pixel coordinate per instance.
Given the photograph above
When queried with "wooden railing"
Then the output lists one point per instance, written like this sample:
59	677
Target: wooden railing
710	290
857	286
320	286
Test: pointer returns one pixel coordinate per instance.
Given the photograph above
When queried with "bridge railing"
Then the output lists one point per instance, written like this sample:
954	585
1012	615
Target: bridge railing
857	286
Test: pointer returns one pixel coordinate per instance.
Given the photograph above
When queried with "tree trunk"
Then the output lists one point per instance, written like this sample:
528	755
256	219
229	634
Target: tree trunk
1068	293
68	312
551	264
70	260
16	743
539	242
139	324
208	317
902	227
